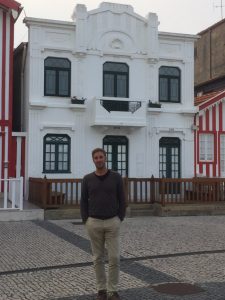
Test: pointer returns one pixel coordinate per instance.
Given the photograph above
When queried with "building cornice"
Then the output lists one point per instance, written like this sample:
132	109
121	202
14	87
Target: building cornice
178	36
47	22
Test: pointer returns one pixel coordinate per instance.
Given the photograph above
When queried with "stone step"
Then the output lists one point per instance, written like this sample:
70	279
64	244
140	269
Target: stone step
62	213
21	215
141	206
135	210
189	209
141	212
143	209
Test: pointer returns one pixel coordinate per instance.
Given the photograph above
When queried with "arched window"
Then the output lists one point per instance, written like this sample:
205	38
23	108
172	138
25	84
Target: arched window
57	77
56	153
115	80
169	84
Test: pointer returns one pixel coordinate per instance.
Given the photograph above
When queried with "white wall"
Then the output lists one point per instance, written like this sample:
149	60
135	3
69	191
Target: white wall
110	33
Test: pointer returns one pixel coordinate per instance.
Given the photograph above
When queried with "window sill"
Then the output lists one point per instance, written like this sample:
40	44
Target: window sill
206	161
43	105
56	97
172	102
54	172
178	110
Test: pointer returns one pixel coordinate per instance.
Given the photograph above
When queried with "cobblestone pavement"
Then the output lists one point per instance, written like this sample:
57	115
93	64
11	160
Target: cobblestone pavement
52	259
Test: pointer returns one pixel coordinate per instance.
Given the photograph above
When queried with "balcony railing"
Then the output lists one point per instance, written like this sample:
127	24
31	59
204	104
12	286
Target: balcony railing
112	105
118	112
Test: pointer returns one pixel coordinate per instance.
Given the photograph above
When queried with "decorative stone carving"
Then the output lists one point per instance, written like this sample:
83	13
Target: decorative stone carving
116	44
117	41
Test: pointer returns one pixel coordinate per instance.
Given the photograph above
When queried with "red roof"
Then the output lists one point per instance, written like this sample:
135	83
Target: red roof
10	4
208	99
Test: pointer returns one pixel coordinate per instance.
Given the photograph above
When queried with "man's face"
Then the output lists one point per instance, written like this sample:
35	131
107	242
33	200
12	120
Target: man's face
99	160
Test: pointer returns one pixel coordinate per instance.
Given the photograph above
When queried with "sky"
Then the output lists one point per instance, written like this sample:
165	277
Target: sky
181	16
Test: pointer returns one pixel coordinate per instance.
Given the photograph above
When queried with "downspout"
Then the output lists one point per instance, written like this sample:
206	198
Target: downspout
22	87
210	53
23	113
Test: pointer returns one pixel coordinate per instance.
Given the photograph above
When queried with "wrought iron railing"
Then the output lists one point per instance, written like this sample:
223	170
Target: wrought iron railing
118	105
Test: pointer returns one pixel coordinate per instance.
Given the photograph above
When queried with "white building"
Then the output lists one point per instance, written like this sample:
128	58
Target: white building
118	61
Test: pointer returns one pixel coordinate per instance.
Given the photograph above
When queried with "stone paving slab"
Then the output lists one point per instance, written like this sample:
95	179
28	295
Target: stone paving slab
51	260
173	234
207	267
27	245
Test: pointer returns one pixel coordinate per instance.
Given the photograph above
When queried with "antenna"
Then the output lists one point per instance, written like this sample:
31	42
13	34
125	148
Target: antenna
221	8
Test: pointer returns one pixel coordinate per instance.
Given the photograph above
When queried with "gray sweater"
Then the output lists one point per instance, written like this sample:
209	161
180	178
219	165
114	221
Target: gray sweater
102	196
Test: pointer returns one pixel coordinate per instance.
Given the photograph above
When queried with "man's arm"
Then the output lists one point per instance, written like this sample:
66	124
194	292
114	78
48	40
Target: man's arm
84	201
121	199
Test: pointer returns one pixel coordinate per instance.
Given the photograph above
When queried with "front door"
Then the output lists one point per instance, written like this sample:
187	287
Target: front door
169	161
169	157
116	148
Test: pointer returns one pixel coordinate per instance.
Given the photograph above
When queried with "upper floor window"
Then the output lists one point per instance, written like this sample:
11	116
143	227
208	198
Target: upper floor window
57	77
56	153
169	84
206	147
115	80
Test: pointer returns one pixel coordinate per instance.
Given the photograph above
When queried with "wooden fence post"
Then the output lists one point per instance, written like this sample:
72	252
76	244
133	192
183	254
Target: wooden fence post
126	190
152	189
163	192
45	193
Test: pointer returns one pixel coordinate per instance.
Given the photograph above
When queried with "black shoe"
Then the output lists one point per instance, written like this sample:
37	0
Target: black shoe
113	296
102	295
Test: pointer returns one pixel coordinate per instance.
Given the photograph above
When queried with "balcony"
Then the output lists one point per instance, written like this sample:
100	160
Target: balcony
118	112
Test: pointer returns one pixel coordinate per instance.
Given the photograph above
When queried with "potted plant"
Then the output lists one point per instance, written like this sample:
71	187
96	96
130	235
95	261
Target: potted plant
75	100
154	104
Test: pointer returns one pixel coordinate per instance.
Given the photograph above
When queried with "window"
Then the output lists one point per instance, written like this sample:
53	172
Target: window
169	84
222	153
56	153
57	77
206	146
115	80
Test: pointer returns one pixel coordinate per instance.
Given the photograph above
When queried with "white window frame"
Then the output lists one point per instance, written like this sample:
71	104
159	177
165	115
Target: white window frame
206	147
222	154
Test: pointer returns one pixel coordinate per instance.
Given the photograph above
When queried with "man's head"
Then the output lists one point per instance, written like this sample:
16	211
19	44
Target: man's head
99	158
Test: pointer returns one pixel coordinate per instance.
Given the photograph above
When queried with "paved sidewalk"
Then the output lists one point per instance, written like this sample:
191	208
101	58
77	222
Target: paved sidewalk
51	259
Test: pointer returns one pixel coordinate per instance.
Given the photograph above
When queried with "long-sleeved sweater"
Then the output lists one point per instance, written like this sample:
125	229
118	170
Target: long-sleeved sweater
102	198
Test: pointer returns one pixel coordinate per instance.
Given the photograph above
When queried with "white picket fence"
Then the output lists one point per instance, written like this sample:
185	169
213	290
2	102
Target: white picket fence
13	194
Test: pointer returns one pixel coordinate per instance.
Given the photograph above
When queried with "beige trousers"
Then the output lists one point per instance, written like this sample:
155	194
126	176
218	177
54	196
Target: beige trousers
105	233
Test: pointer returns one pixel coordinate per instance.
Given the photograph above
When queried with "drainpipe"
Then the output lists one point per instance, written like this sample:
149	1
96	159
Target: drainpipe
210	53
22	86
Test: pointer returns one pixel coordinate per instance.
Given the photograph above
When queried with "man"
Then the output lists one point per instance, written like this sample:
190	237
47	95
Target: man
102	211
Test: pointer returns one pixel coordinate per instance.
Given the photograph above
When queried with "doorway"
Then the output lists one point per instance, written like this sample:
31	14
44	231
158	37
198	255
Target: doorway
116	148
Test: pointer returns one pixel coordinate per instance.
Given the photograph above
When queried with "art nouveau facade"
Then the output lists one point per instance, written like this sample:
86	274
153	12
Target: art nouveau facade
9	12
115	62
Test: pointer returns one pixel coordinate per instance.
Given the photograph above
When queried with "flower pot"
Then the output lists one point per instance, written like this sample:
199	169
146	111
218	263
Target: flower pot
155	105
77	101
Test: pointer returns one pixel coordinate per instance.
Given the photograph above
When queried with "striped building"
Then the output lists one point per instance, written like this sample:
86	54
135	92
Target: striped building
209	133
9	12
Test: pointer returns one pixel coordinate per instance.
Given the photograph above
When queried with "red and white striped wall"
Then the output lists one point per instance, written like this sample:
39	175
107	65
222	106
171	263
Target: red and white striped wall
9	11
210	120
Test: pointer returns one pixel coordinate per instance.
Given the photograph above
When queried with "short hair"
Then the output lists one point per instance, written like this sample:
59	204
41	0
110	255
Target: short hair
98	150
